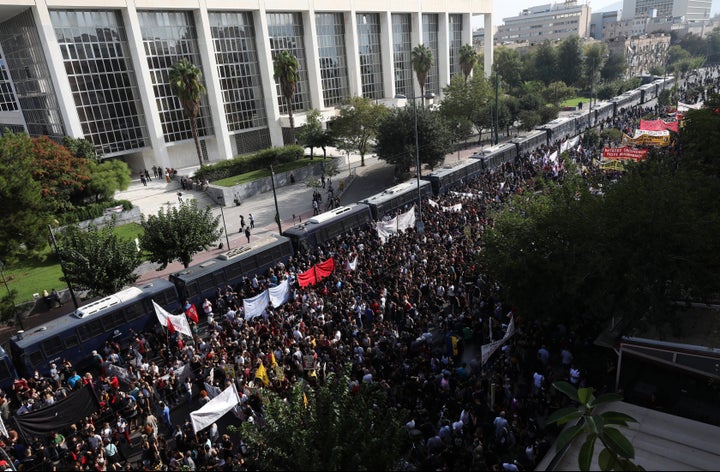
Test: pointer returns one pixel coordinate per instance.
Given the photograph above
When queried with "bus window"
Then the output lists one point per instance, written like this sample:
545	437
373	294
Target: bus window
115	320
52	346
6	373
36	358
71	341
90	330
207	282
133	312
234	271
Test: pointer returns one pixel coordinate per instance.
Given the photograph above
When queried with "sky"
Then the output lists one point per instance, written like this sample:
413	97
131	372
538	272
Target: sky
506	8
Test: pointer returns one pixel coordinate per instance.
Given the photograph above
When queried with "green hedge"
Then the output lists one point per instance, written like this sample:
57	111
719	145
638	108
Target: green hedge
249	163
92	211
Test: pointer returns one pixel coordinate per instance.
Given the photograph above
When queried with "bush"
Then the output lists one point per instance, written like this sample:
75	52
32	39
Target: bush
91	211
249	163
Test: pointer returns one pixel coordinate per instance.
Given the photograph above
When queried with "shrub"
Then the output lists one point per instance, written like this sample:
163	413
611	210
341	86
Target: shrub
243	164
91	211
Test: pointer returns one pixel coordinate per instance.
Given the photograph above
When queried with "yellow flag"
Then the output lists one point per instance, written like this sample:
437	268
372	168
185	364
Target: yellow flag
305	400
261	374
273	362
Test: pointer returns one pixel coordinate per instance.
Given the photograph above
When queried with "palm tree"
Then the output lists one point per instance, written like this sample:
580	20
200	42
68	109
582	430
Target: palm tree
287	73
468	57
422	61
186	83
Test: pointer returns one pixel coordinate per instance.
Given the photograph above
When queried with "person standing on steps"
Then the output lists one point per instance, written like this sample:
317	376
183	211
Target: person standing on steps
247	234
252	221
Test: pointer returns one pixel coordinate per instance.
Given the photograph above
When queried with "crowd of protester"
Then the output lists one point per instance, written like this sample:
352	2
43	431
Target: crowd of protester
389	321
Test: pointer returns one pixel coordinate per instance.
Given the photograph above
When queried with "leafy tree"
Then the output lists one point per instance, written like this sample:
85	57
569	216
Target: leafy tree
25	211
106	178
701	138
595	57
531	95
569	60
396	138
548	113
357	124
186	83
59	172
81	147
457	107
312	134
618	452
339	429
97	259
509	65
614	68
468	57
528	119
422	61
509	108
546	66
179	233
557	91
287	73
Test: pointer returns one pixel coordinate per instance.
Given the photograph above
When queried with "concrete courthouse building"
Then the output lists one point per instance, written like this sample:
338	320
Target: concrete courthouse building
98	69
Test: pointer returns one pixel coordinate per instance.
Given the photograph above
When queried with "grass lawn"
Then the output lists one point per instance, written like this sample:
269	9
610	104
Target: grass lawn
43	273
573	102
260	173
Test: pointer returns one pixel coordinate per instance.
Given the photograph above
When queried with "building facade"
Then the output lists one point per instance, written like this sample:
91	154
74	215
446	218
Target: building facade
552	21
641	53
690	10
99	70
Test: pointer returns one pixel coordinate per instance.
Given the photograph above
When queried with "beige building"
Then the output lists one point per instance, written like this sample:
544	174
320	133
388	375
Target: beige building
553	21
641	52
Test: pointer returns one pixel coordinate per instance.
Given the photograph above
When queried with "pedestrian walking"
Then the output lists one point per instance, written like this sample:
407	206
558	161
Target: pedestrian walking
143	180
180	197
155	171
242	223
252	221
247	234
147	175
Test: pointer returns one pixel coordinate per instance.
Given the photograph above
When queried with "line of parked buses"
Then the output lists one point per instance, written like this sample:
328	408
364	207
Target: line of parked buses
74	336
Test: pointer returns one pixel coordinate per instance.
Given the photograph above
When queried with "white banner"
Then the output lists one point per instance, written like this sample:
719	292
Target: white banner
466	195
487	350
3	430
406	220
279	294
646	132
122	374
256	305
181	373
215	408
455	208
432	203
351	264
179	322
212	390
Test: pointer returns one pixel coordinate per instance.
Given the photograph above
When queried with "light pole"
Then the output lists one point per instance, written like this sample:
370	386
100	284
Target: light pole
277	210
497	106
420	226
62	267
222	213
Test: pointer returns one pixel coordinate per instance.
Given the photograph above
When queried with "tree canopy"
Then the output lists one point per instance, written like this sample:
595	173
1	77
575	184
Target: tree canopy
339	428
60	173
97	259
422	61
179	233
396	138
286	72
185	80
357	125
25	212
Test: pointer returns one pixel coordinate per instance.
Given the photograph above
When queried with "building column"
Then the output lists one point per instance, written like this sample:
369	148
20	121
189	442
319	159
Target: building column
145	85
59	78
467	32
488	44
416	34
212	82
386	54
265	64
443	51
352	48
312	58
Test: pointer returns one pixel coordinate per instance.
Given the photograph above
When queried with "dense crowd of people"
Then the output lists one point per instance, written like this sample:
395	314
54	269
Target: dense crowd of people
391	320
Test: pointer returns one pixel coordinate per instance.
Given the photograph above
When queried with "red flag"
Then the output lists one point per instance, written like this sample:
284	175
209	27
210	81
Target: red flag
170	326
324	269
191	312
306	278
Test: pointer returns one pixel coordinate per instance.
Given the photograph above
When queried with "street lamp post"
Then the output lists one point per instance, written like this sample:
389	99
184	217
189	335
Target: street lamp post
277	210
222	213
420	226
497	105
62	267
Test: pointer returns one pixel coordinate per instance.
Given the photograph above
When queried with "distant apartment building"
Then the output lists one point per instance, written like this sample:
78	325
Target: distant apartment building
553	21
599	20
691	10
641	52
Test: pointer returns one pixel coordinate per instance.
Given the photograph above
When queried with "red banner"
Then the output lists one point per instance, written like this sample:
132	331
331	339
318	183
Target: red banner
191	312
658	125
324	269
316	273
624	153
